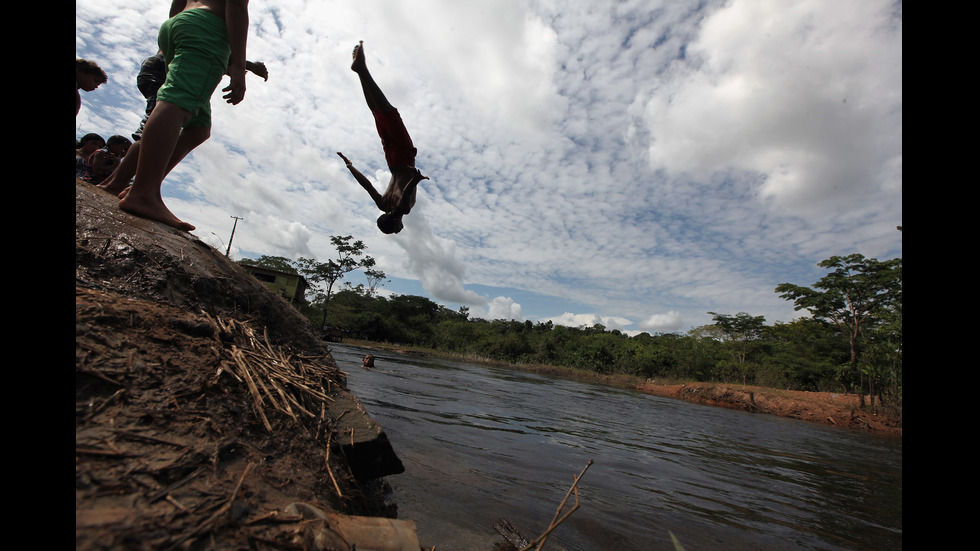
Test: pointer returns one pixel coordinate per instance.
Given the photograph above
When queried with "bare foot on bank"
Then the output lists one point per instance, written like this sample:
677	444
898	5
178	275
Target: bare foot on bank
152	210
114	188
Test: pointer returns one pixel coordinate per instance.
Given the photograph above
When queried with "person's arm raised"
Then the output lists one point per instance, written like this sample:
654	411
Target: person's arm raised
365	183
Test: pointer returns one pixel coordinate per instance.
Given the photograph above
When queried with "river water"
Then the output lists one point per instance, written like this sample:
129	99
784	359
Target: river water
481	443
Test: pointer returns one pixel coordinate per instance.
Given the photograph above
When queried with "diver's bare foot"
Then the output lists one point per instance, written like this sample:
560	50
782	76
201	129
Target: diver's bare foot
359	63
152	210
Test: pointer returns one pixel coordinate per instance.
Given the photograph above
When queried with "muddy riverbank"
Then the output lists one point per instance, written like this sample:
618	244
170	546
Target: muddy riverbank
208	415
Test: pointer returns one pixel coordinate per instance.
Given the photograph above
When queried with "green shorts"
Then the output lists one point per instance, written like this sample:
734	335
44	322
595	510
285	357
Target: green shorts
195	44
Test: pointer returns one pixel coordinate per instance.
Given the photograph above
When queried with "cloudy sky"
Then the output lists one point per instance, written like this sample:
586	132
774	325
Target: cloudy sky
630	163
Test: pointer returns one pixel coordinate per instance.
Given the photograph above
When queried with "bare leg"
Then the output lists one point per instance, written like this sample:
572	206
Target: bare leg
159	145
375	98
120	178
189	139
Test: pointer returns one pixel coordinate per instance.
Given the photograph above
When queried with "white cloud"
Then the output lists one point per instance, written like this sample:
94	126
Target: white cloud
663	323
628	158
805	94
503	308
588	320
433	261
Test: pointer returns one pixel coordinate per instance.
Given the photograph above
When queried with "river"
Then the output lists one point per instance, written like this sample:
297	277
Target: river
481	443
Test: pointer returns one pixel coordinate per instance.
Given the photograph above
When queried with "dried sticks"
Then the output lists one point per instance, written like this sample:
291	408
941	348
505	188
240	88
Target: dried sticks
276	380
214	519
518	539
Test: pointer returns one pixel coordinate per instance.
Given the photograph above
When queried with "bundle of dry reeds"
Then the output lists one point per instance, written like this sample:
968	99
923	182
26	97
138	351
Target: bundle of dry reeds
277	379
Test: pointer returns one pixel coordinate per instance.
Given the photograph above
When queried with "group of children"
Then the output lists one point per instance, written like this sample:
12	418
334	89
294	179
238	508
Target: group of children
97	159
202	41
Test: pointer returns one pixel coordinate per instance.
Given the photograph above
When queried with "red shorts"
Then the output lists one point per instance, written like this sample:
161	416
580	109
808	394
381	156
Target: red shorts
399	150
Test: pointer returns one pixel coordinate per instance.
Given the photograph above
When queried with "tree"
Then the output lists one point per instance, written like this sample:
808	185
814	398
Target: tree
375	278
804	354
851	296
273	262
327	274
740	330
881	360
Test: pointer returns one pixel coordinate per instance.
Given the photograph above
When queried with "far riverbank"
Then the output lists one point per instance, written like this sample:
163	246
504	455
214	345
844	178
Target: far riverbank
827	408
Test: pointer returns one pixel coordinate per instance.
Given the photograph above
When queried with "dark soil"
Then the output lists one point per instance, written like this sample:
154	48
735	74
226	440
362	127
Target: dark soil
205	405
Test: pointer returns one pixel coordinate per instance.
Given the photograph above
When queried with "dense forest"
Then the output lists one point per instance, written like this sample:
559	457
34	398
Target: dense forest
851	341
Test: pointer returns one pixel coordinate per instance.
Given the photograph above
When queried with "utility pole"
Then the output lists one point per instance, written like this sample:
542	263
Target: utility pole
232	234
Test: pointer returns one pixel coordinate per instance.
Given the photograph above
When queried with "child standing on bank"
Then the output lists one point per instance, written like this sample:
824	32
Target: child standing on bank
202	41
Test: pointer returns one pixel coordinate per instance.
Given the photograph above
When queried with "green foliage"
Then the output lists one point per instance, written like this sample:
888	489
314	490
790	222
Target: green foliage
856	296
881	361
322	276
273	262
859	301
741	332
803	354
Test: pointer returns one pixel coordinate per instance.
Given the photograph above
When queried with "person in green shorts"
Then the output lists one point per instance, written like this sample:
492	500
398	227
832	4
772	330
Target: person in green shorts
149	81
202	41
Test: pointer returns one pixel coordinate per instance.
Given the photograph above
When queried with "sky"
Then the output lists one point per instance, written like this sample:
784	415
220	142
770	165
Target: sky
636	164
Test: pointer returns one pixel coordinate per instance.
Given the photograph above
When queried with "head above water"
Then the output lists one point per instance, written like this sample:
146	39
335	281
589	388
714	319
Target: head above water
390	223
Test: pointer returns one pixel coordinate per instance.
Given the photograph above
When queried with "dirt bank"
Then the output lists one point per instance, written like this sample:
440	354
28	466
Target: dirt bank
828	408
207	413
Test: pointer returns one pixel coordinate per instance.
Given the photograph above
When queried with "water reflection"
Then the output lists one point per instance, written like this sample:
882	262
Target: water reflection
482	443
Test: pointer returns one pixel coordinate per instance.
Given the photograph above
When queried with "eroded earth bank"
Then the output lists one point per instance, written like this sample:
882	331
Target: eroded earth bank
207	414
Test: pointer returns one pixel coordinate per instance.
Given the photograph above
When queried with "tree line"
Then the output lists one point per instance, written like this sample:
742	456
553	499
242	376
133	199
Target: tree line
851	341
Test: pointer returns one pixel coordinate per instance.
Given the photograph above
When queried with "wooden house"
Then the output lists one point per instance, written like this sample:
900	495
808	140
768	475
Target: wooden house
291	287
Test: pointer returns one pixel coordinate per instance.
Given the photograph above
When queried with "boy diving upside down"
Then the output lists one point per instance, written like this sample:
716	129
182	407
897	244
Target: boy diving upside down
399	198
